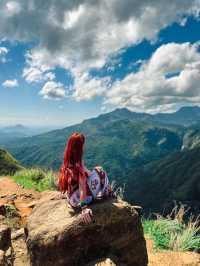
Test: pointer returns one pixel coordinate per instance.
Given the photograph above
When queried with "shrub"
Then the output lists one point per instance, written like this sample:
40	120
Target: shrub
52	180
8	165
12	216
188	239
173	233
118	191
36	178
11	211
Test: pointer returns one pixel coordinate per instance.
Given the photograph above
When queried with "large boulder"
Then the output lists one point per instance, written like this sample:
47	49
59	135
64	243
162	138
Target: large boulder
55	235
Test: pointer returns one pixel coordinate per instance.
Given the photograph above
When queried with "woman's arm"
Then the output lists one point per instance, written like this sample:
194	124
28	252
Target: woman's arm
82	188
86	170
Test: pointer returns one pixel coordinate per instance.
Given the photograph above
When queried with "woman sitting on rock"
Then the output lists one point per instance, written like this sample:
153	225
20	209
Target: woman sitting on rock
81	185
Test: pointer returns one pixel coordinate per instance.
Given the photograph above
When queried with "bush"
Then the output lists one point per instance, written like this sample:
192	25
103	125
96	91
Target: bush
36	178
118	191
173	233
12	216
8	165
11	211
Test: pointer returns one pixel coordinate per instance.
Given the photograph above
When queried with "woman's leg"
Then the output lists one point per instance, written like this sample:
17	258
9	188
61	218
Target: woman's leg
74	199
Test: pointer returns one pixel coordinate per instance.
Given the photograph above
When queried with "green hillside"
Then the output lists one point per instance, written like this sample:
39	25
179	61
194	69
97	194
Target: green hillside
8	165
158	162
185	116
176	177
118	145
191	139
119	140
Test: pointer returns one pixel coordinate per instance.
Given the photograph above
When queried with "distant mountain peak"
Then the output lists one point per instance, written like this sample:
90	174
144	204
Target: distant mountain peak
17	126
124	109
189	109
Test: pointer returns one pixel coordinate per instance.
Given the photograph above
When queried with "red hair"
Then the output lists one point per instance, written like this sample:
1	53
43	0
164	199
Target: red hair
72	164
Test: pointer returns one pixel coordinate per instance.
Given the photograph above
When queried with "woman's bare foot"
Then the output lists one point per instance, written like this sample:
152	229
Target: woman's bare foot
86	215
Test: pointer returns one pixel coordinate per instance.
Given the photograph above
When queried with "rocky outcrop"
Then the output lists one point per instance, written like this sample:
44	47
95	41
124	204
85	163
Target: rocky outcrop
6	250
2	209
55	235
5	235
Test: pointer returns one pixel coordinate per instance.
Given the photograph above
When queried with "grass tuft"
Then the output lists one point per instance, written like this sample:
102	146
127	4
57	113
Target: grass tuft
173	233
118	191
36	178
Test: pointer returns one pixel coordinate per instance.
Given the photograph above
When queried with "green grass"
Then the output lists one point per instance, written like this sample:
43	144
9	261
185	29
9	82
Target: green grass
8	165
173	233
36	178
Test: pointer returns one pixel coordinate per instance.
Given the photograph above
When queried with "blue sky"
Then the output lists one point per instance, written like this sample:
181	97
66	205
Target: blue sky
78	62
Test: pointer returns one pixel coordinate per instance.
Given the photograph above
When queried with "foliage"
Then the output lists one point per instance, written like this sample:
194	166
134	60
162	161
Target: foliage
117	191
12	216
173	233
8	165
175	177
11	211
36	178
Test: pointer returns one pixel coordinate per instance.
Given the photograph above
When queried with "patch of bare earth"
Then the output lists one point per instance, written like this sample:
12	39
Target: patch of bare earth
171	258
22	199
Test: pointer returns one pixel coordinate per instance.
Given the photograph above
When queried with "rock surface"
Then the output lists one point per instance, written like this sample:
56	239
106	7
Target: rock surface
5	236
2	258
2	209
55	235
103	262
6	250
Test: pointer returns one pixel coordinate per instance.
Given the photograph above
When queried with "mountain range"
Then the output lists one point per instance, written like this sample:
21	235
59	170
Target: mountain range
15	132
185	116
140	150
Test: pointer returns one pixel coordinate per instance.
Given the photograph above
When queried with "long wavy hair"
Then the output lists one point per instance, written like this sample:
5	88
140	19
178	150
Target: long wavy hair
72	166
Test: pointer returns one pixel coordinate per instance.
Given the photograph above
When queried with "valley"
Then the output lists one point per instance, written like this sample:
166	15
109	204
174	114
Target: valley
154	157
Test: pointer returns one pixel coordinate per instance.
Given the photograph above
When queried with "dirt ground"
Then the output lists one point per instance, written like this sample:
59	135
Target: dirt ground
170	258
24	200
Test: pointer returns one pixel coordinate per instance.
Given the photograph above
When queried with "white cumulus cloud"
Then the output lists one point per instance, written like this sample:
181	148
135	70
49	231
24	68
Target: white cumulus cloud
33	74
170	77
12	8
37	68
86	87
3	53
83	34
10	83
53	90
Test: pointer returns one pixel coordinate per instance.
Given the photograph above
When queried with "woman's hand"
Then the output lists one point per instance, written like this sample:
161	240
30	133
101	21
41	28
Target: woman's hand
86	215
